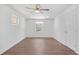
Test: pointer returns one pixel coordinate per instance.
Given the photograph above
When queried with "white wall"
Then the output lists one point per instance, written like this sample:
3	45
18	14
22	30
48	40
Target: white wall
9	34
47	28
65	28
77	45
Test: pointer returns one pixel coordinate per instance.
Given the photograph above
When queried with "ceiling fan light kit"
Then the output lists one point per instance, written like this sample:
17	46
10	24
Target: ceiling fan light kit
38	12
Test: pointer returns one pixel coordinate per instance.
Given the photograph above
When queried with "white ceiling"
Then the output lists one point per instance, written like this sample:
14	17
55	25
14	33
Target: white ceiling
55	9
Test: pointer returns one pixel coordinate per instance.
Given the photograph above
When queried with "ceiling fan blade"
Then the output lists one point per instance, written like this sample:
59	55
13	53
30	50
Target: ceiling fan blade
45	9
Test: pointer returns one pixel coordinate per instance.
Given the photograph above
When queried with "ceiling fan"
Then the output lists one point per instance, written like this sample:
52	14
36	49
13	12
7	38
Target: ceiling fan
37	8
